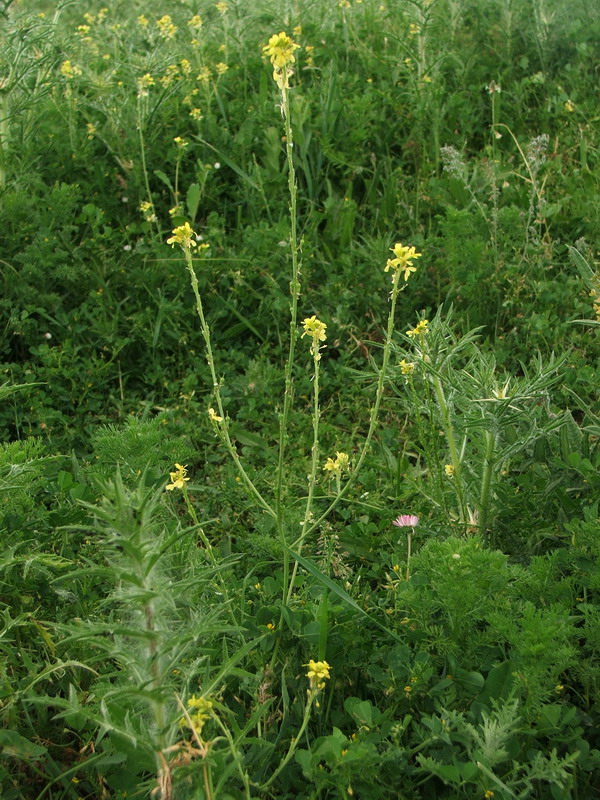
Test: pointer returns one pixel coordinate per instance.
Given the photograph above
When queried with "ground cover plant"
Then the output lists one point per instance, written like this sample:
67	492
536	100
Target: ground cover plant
299	462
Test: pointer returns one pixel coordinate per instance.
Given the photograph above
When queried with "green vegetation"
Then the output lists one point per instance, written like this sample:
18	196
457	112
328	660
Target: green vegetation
299	461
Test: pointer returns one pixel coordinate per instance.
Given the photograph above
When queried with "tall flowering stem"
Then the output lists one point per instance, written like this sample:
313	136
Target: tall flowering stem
185	237
315	329
280	50
402	268
318	673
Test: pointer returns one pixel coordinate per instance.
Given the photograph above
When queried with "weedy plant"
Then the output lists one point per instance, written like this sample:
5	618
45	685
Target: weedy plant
377	587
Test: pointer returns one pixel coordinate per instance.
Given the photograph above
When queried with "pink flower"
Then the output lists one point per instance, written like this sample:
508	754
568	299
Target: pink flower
406	521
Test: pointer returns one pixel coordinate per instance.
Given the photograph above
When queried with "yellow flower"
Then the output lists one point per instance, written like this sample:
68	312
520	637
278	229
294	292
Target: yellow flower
178	478
414	29
221	68
91	130
222	7
173	212
69	71
147	210
195	22
421	329
213	416
402	262
204	75
280	50
316	329
83	30
202	712
183	236
171	72
297	31
185	65
318	673
142	21
341	464
270	626
569	106
165	26
196	113
488	794
181	143
406	367
449	470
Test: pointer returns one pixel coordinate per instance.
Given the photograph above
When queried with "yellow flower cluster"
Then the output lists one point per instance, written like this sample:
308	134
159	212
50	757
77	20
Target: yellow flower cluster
195	22
183	236
406	367
402	262
69	70
202	709
420	330
204	75
181	143
166	28
178	479
318	673
147	210
316	330
339	465
280	50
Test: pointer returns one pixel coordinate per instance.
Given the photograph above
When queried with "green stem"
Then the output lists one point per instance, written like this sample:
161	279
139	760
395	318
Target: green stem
295	292
294	743
450	438
223	426
486	483
143	155
312	480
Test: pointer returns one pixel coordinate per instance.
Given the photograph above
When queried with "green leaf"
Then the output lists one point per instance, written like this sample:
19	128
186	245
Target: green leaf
164	178
341	593
586	272
193	200
17	746
471	681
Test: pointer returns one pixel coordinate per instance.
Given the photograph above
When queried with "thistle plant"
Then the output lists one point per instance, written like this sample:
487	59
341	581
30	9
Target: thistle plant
150	564
456	386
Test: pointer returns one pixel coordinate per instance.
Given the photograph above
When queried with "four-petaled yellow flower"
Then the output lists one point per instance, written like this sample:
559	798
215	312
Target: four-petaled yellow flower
318	673
404	256
183	236
213	416
280	50
316	330
339	465
421	328
178	478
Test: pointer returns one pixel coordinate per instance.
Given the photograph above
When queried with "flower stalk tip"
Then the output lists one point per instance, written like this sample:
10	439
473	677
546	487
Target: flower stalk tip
178	478
183	236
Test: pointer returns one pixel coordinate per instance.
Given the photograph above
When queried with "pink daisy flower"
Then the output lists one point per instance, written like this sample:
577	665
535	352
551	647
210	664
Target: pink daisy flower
406	521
